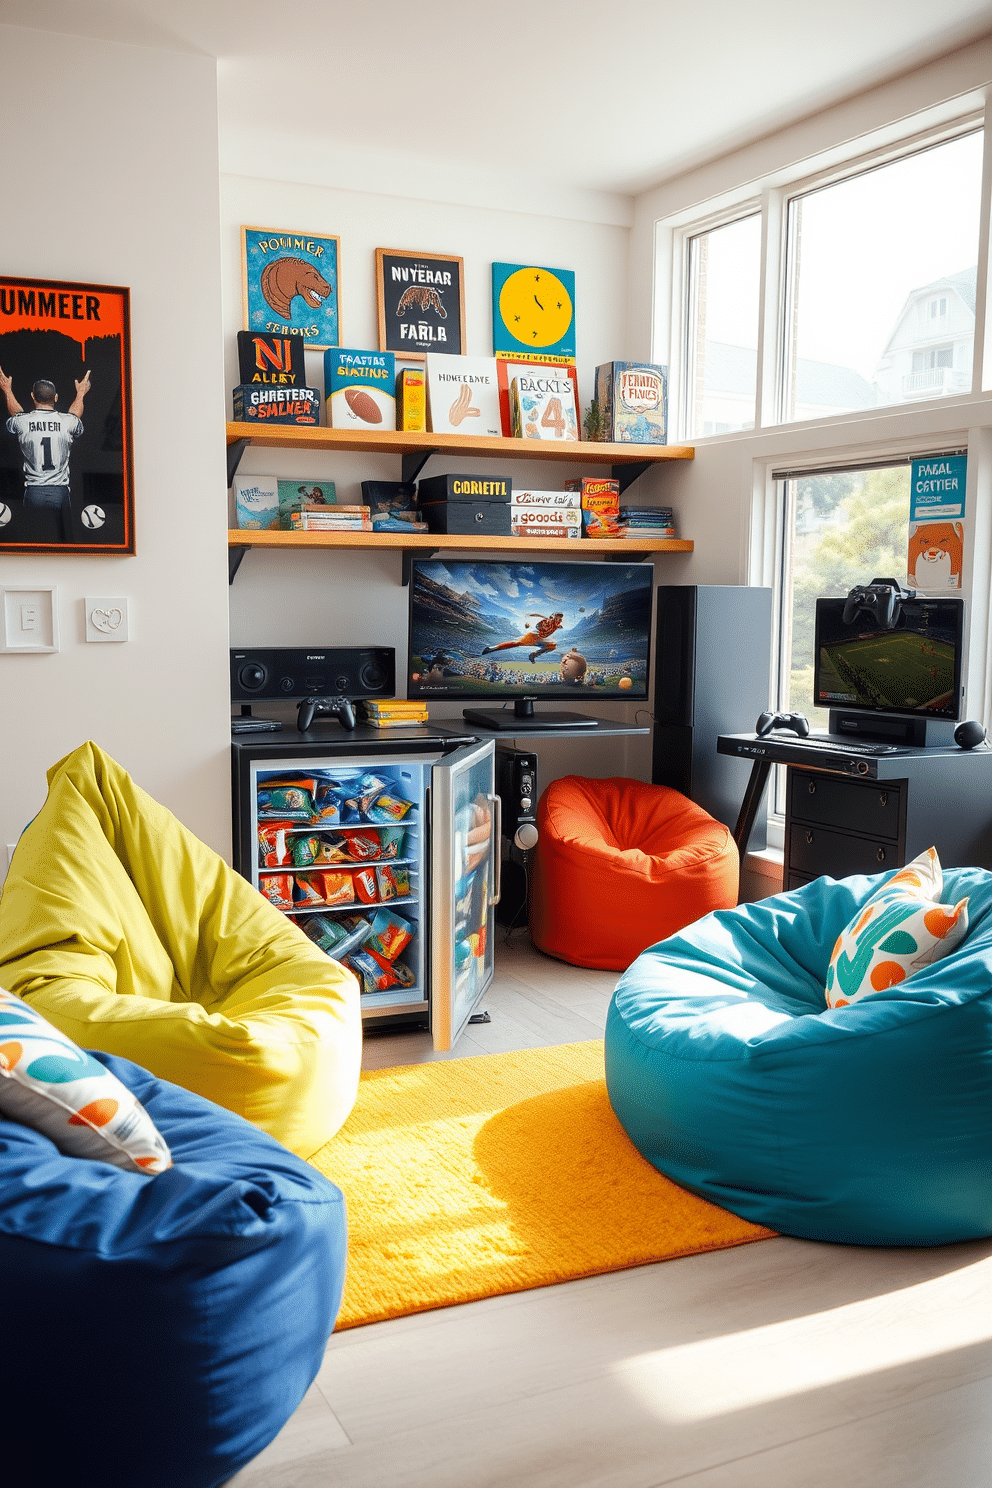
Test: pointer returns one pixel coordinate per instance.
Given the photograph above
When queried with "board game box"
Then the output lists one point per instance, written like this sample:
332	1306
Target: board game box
359	388
633	402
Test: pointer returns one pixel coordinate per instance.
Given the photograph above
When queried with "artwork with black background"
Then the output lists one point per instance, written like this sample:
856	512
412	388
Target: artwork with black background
420	303
66	470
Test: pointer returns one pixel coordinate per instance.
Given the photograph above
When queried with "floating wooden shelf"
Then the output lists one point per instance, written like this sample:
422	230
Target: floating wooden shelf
627	461
618	549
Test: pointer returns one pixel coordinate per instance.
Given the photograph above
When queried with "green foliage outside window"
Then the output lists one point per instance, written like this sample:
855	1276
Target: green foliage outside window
849	528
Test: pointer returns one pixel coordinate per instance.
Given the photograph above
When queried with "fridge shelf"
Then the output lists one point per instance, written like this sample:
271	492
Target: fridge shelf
342	864
378	1003
351	907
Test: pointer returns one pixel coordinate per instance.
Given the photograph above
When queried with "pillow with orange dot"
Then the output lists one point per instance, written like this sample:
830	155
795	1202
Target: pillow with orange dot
48	1083
902	928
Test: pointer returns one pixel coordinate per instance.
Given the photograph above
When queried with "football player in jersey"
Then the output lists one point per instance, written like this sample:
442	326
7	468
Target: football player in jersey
46	436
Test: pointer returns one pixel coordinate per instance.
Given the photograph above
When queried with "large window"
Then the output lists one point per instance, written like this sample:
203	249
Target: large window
869	293
722	348
880	266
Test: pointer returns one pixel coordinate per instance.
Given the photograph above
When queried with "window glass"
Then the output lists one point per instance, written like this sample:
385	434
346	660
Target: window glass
722	360
880	265
843	528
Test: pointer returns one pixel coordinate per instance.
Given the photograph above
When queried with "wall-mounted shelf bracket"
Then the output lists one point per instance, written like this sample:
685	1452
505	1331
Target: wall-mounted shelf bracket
234	557
413	464
234	453
627	474
408	562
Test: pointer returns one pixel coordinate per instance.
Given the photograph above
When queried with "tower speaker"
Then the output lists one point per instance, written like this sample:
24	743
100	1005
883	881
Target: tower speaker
711	671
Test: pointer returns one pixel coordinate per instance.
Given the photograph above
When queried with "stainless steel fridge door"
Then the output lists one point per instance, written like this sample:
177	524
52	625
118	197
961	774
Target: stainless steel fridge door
465	865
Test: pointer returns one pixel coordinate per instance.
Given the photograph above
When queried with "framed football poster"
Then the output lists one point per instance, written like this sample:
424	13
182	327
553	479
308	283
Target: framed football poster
420	302
533	313
290	284
66	463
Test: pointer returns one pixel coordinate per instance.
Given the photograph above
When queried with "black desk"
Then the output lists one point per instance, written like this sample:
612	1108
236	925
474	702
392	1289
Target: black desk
849	813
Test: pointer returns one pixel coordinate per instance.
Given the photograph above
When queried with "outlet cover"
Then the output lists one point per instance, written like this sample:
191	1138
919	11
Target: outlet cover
107	619
29	618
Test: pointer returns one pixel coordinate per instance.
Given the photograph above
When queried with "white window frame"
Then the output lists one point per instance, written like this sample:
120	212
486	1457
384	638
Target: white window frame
672	329
769	539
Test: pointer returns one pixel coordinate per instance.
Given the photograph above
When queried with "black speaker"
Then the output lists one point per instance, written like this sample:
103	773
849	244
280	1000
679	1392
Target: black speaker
516	786
711	671
272	673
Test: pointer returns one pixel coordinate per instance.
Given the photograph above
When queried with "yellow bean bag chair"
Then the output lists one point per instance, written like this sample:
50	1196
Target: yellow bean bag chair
134	937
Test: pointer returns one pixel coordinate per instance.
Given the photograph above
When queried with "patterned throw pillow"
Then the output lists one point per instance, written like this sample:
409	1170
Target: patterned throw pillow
48	1083
901	929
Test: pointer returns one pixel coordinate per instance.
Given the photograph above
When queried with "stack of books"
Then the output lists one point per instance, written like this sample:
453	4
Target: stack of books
385	713
330	519
648	521
545	514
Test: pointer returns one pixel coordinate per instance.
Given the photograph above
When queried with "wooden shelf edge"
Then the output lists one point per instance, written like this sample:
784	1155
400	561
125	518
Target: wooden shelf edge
437	541
395	442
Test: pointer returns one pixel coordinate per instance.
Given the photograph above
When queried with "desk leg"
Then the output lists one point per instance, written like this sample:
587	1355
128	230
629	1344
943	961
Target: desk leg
749	806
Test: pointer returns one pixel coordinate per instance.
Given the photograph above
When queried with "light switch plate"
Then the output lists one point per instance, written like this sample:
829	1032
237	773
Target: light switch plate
29	618
107	619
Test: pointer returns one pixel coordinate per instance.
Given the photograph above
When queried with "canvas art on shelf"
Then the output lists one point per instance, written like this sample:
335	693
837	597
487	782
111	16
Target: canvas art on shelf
290	285
420	303
66	471
533	313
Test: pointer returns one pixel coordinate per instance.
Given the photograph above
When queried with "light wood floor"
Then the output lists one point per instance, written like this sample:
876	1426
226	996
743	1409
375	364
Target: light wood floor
782	1364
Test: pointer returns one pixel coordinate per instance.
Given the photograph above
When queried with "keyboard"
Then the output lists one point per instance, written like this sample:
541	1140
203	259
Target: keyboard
831	748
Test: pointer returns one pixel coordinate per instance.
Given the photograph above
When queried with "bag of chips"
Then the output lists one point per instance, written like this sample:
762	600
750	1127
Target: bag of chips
394	882
308	888
303	850
391	841
388	809
390	934
272	849
277	888
366	888
362	845
373	976
290	802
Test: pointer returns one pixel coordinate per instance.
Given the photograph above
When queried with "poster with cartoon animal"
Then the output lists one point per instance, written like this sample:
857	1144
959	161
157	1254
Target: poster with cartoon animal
936	550
420	303
290	284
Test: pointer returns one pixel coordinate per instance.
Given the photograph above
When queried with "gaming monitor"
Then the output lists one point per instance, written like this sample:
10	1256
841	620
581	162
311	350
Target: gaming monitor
913	670
517	631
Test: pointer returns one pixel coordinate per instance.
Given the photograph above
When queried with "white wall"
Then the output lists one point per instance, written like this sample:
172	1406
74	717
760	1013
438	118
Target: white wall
281	598
112	179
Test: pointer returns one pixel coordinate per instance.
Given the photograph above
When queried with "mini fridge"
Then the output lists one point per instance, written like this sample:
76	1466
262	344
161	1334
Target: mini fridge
384	848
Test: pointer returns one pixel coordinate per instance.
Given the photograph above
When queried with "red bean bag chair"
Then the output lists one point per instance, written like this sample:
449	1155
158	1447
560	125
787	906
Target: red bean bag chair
620	865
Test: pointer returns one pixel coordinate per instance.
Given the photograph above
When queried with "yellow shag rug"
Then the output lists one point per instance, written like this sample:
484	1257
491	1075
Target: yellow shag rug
468	1178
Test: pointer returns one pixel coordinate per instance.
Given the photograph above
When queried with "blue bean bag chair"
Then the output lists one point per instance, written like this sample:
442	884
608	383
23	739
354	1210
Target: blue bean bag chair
869	1124
158	1332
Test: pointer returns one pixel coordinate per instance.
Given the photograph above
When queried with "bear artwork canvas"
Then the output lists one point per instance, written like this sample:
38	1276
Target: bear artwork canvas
290	285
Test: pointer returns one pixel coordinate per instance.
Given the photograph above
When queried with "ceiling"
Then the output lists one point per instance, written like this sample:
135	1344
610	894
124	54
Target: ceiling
569	94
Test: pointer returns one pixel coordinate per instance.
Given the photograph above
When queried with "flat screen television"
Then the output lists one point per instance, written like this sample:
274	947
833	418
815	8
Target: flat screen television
913	670
517	631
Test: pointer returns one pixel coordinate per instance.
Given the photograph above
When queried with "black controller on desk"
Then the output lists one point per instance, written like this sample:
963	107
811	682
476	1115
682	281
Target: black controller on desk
794	721
311	706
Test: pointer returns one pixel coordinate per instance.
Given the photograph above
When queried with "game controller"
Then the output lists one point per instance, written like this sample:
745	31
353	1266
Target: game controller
313	705
794	721
882	598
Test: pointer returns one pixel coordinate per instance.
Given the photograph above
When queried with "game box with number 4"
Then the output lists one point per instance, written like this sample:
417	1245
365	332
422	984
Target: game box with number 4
542	406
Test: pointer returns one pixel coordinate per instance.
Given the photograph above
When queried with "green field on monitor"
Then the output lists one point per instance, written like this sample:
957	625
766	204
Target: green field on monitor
897	670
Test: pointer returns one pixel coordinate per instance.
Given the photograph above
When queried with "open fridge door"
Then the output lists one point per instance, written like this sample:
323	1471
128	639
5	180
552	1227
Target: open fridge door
465	865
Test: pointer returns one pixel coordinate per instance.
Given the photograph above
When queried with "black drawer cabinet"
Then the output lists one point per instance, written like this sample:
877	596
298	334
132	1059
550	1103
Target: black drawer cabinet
837	826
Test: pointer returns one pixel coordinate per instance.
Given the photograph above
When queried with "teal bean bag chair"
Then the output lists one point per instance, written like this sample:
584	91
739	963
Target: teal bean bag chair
869	1124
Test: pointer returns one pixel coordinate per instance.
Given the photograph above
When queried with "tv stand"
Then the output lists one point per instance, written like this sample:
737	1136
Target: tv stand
911	731
523	717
